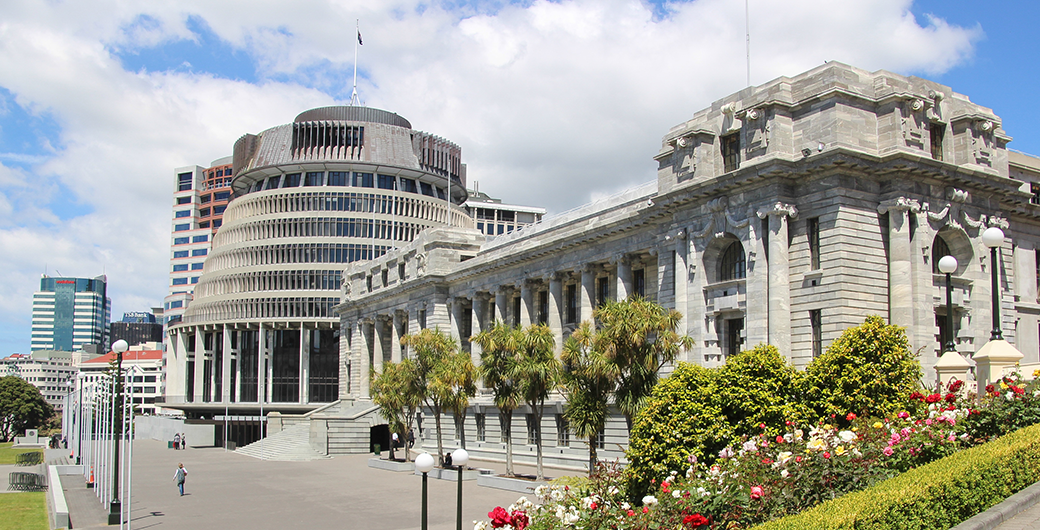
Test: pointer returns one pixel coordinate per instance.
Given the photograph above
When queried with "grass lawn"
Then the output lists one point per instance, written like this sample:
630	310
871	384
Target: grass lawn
24	511
9	453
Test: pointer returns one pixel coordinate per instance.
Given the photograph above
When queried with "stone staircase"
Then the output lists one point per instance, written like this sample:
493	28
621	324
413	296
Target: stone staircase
290	444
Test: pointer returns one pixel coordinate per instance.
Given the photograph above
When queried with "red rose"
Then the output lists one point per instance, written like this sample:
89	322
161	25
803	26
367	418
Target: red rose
500	517
956	385
826	454
520	520
932	398
631	513
916	395
951	397
592	505
990	389
695	520
850	417
779	439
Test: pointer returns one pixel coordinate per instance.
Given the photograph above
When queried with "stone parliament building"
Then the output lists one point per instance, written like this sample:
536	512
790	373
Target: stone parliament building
782	214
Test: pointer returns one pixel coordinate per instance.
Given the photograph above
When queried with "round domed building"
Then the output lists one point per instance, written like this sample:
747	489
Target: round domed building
337	185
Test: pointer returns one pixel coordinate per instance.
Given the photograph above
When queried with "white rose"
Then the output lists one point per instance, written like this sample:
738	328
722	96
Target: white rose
650	500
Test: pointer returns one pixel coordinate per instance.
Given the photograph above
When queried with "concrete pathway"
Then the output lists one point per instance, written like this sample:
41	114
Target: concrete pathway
225	490
1026	520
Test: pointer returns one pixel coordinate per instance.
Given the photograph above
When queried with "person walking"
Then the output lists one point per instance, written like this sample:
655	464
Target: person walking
179	476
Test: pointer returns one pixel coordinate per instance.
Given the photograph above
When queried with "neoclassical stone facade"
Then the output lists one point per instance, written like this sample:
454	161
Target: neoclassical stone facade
782	214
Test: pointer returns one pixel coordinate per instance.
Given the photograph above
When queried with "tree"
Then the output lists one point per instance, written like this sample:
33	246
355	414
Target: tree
586	381
21	407
538	372
637	337
498	355
455	379
397	393
432	349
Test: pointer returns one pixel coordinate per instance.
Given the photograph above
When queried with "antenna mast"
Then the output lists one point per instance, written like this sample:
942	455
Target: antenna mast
747	41
353	95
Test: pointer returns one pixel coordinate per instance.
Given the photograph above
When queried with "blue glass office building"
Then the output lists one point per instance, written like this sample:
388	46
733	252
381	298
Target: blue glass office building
70	313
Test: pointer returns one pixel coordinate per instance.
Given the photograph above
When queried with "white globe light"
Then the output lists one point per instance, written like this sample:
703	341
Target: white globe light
993	237
459	457
424	463
947	264
120	346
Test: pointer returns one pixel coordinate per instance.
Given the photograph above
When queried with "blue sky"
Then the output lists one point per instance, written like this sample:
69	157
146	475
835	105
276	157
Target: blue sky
100	102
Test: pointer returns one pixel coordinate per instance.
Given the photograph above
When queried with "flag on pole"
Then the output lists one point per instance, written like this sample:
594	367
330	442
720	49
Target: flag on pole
359	38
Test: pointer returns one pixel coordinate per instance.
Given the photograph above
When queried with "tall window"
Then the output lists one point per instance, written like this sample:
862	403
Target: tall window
532	429
734	330
731	152
1034	189
936	131
543	307
816	327
563	431
732	266
939	249
314	178
572	301
813	231
602	291
639	282
516	310
481	426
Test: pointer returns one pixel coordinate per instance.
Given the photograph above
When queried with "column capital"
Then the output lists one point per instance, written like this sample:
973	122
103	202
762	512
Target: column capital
779	209
901	204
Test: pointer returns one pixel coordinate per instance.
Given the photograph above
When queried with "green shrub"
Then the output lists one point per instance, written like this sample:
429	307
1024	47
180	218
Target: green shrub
683	417
868	371
937	496
758	387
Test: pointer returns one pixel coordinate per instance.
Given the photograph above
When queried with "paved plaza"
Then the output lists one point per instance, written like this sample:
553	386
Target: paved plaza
225	490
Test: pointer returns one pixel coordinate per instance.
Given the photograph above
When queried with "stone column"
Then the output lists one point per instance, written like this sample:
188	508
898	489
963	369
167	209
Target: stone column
225	361
456	319
556	309
238	368
477	318
440	318
346	358
682	278
378	330
779	276
525	302
413	327
364	348
624	276
261	364
588	292
900	279
305	365
395	336
269	378
501	305
200	363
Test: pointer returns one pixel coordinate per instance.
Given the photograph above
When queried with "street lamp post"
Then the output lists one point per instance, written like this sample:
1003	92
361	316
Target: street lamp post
459	457
948	264
993	237
115	513
424	464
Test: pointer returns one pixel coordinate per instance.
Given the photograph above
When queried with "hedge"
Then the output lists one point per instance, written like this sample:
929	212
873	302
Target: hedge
938	495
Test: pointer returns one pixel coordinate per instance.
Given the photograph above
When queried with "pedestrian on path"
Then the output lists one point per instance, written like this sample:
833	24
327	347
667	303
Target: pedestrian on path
179	476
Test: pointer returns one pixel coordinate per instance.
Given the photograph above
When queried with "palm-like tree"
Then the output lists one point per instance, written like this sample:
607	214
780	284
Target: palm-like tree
538	372
637	337
587	380
455	380
432	350
397	393
499	345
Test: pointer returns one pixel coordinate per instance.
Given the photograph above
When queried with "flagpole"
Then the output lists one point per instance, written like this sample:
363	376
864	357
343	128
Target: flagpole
357	39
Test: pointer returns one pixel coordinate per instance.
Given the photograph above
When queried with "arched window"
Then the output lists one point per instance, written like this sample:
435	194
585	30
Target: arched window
732	265
939	249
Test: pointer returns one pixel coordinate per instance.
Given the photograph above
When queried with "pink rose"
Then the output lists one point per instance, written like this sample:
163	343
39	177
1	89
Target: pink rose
887	451
756	492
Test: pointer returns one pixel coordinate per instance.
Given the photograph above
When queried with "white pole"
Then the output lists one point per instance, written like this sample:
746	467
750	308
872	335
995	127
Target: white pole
357	38
130	471
747	39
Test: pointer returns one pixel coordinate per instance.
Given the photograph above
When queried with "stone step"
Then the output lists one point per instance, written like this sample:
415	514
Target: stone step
290	444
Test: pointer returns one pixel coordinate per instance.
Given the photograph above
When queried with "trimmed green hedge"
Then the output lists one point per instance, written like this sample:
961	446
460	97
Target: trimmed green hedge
938	495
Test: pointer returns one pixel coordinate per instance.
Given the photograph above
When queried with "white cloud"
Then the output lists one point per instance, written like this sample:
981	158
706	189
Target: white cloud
553	102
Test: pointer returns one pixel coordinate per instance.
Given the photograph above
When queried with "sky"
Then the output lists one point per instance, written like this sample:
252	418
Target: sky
554	103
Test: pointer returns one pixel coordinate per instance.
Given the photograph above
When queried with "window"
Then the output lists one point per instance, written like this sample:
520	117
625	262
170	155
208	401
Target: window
184	182
1034	188
732	264
273	182
563	431
532	429
501	229
572	303
182	213
222	195
639	282
314	178
180	281
184	200
400	271
601	439
292	180
216	223
408	185
180	267
197	266
181	228
205	199
194	280
816	327
200	239
180	254
602	291
205	224
387	182
812	230
516	310
939	249
338	178
426	188
481	427
204	212
543	307
218	210
180	241
480	227
734	336
363	180
936	131
199	252
385	277
731	152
